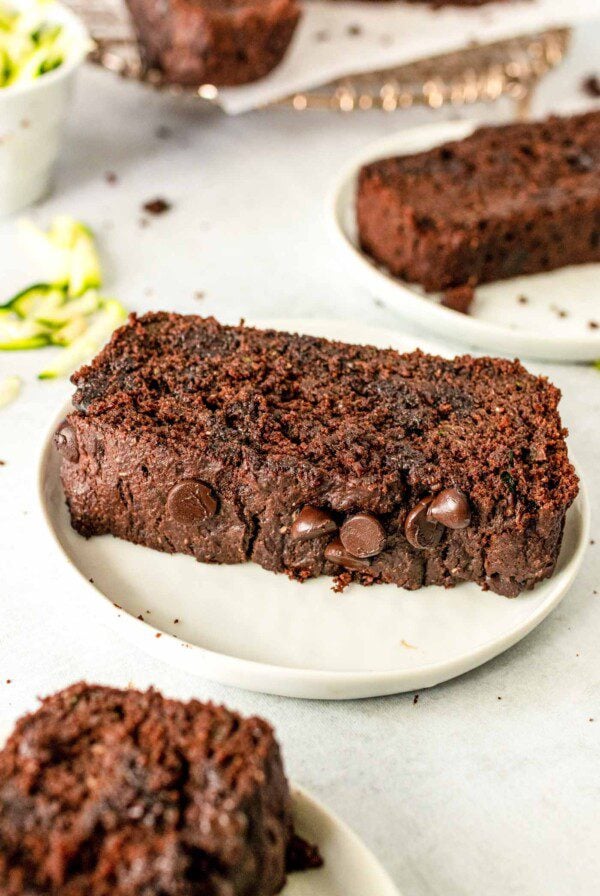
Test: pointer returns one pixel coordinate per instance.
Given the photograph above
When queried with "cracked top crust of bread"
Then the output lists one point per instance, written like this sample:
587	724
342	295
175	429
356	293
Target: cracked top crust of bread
334	410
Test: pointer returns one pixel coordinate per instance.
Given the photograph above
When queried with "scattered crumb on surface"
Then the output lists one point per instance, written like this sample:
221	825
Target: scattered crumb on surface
2	463
163	132
9	680
591	86
522	300
593	324
111	178
407	645
158	635
353	30
175	621
140	617
499	698
415	699
459	298
157	206
199	294
91	581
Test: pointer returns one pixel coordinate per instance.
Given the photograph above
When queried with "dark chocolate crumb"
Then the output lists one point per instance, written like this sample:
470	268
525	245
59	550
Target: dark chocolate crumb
522	300
111	178
591	86
2	463
301	855
415	699
140	617
591	720
459	298
499	698
157	206
593	324
175	621
9	680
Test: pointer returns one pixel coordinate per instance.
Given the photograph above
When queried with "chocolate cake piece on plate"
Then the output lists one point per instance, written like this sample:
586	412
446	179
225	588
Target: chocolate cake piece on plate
313	457
220	42
506	201
106	792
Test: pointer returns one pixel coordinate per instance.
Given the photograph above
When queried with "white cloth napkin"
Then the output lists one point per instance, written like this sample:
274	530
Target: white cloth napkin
335	39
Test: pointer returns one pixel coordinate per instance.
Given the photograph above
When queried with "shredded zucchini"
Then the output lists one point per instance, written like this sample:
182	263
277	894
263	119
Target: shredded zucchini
65	310
30	45
10	387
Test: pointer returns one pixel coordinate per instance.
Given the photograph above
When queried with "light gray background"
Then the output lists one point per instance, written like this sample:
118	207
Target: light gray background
461	793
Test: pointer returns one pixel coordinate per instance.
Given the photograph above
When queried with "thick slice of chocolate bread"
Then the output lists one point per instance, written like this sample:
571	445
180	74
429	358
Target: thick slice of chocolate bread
106	792
309	456
505	201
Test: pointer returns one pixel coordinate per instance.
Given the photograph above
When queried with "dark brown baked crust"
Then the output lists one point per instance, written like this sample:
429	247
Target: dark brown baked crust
506	201
106	792
209	440
220	42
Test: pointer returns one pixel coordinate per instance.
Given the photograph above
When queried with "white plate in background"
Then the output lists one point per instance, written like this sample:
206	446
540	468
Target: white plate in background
244	626
552	325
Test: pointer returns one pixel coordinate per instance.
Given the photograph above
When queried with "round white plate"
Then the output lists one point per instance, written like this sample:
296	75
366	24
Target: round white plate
554	323
349	869
243	626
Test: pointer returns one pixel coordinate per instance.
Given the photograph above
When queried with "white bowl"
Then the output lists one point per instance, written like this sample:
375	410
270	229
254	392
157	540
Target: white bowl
32	118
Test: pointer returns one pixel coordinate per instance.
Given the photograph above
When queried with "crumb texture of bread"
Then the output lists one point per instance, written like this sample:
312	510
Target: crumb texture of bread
219	42
235	444
506	201
105	792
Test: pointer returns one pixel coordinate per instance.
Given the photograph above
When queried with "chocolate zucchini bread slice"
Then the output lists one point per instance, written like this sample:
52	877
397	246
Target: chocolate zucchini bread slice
221	42
505	201
309	457
106	792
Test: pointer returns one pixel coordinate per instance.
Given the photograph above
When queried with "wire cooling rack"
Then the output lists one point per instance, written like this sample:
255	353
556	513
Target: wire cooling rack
477	74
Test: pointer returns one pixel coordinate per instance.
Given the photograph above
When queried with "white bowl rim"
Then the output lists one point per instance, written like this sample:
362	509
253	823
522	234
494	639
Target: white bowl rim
61	13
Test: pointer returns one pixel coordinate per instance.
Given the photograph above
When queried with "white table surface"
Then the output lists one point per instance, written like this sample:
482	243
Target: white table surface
462	792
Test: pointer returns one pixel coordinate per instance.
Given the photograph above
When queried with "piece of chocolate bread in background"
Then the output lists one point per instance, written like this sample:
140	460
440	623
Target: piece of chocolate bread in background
506	201
313	457
220	42
105	792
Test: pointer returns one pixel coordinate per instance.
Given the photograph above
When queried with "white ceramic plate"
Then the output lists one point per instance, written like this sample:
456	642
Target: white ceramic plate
243	626
350	869
552	325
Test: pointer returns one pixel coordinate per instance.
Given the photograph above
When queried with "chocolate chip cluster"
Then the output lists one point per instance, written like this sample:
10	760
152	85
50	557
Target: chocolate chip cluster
425	523
361	536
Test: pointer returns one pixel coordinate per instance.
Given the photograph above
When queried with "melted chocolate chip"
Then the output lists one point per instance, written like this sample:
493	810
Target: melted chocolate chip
312	522
191	501
421	532
451	509
65	440
335	552
363	535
